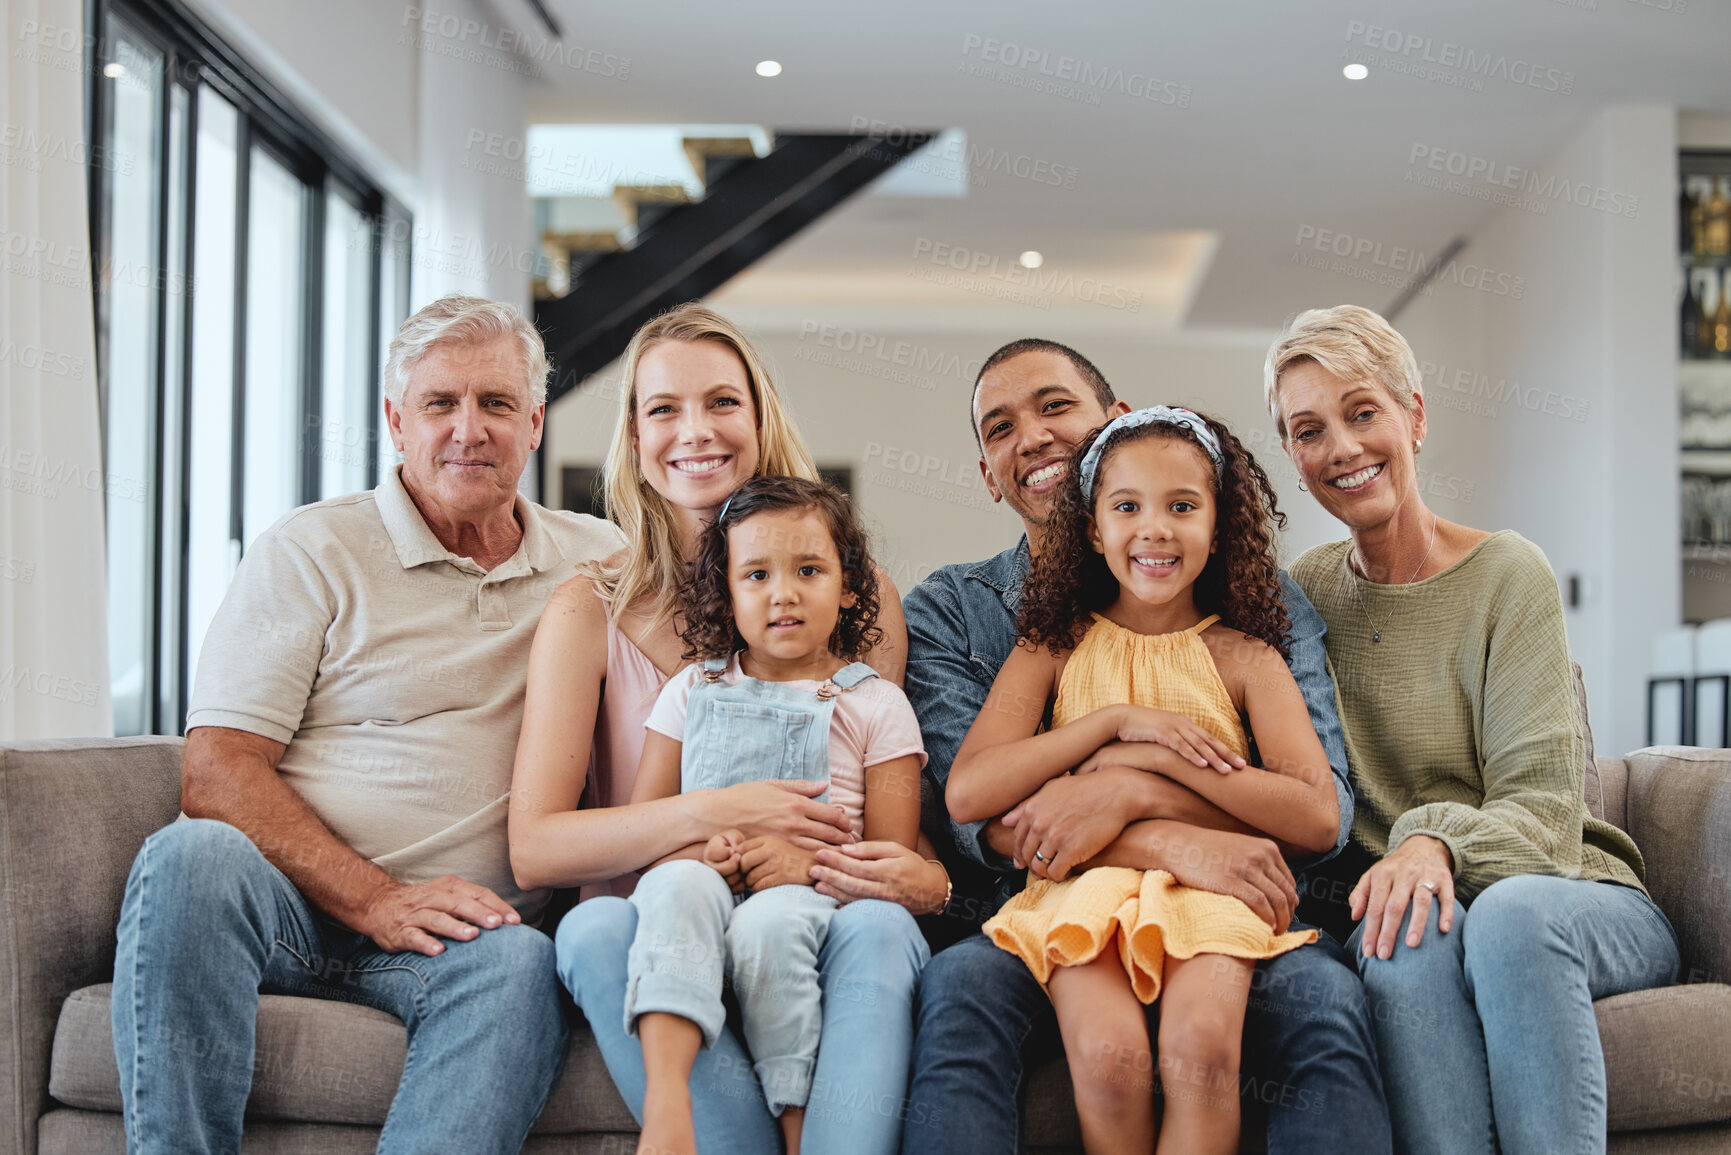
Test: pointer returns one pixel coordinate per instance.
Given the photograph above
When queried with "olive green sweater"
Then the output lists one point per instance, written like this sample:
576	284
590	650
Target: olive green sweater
1462	722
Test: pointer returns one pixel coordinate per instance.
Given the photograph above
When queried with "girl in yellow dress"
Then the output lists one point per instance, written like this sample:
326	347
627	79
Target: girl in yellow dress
1160	545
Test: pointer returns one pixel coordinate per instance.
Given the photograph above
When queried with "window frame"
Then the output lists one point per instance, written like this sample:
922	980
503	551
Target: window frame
194	56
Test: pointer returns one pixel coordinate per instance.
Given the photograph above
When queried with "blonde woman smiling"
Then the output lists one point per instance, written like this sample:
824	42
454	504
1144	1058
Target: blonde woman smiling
699	417
1494	909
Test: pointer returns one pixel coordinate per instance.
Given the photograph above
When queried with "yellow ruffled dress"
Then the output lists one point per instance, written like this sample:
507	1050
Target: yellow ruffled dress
1146	912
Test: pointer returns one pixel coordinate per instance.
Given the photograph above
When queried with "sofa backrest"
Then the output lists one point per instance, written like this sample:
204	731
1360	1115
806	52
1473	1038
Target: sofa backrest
1677	808
1608	791
73	814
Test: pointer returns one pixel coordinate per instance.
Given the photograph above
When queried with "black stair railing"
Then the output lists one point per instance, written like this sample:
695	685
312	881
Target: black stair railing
691	250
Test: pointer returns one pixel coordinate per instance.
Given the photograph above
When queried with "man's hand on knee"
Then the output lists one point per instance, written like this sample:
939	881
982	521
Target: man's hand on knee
404	916
1246	868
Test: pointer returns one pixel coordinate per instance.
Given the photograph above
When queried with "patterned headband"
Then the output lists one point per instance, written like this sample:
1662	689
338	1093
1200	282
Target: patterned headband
1166	414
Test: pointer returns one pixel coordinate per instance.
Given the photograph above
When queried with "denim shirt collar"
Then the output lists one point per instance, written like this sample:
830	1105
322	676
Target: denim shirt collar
1005	573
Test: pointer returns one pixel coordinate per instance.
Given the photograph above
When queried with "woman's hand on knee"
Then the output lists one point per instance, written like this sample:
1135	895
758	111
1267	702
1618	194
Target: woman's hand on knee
1417	873
783	808
883	870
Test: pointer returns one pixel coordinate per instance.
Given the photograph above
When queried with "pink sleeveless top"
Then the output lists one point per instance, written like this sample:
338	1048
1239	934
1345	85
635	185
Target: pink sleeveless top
633	683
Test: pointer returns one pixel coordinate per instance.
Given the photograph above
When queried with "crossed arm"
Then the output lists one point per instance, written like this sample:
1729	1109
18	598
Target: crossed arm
1116	816
1120	816
1003	760
1201	813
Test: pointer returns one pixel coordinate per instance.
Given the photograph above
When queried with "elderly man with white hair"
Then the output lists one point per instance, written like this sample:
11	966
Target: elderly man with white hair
347	776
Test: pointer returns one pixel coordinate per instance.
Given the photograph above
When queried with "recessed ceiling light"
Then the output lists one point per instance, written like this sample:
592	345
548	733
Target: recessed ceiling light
114	71
1030	260
1355	72
769	68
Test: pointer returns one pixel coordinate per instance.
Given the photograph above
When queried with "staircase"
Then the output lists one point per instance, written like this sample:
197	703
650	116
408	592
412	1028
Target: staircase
602	285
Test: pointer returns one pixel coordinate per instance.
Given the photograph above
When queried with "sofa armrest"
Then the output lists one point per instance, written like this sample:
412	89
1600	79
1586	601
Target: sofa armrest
73	814
1678	810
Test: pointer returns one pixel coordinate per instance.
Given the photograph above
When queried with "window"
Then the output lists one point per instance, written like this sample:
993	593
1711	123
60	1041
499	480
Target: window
250	277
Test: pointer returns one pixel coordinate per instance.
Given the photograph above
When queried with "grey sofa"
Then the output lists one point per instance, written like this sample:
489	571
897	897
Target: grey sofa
73	814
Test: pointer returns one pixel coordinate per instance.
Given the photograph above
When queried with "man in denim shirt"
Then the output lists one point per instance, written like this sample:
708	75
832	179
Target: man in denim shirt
1308	1054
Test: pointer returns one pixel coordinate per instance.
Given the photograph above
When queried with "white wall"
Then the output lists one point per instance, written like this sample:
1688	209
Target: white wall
54	668
361	84
424	101
1585	462
415	101
898	414
1553	413
472	230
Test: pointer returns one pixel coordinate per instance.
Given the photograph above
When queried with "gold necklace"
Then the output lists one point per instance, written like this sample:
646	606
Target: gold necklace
1376	628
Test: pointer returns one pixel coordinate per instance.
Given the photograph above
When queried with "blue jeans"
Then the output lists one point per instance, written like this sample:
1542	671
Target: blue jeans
868	969
1307	1053
207	925
690	931
1487	1034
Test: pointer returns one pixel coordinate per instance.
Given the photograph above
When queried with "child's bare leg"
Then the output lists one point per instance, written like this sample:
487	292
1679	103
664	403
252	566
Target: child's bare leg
792	1121
670	1046
1202	1003
1105	1033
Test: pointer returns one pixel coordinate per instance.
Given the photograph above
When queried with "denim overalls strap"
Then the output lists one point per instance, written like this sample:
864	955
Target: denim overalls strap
852	675
754	730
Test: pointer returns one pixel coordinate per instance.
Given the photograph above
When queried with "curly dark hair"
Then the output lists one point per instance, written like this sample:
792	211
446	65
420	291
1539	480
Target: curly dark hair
1241	582
708	628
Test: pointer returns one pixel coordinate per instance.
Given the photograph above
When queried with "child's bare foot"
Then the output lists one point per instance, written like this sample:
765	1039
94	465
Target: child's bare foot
667	1126
792	1122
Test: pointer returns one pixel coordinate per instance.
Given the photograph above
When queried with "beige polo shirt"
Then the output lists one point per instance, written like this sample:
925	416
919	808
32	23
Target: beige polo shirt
394	670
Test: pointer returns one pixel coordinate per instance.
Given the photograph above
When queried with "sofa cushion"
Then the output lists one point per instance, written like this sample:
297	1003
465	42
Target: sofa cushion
1666	1060
318	1061
68	1132
1679	810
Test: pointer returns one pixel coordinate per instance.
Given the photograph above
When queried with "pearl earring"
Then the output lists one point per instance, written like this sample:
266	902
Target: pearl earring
1416	446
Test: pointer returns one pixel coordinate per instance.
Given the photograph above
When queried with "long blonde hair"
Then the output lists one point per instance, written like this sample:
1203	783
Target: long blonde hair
652	564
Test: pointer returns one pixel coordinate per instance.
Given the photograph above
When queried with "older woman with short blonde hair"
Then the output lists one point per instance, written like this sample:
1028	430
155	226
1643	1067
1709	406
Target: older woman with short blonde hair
1464	736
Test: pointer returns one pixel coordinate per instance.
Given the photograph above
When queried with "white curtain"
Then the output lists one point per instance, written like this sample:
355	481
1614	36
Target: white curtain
53	607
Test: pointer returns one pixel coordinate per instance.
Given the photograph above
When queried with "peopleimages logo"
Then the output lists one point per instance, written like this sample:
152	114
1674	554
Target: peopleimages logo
37	359
555	172
1452	63
1530	184
1018	282
980	160
1070	77
27	142
46	683
455	33
867	345
1396	265
1479	393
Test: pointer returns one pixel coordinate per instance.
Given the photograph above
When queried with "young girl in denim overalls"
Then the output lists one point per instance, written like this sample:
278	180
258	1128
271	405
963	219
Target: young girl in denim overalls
781	597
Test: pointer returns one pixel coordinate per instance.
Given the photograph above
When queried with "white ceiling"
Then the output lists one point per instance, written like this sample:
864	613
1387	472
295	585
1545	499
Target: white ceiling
1194	199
